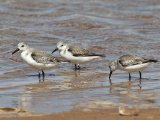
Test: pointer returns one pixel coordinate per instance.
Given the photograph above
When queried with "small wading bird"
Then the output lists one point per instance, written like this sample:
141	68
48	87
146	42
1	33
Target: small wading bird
130	63
75	54
38	59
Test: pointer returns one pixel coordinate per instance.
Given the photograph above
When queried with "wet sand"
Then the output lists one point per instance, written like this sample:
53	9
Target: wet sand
109	114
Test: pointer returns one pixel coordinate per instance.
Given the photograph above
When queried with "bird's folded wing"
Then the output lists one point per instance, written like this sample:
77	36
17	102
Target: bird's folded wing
78	51
44	58
129	60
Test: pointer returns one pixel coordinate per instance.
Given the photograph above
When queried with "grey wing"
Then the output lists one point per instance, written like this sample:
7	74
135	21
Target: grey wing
78	51
44	58
129	60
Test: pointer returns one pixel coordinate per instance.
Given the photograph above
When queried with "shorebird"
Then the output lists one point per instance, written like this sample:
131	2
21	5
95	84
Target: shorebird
75	54
38	59
130	63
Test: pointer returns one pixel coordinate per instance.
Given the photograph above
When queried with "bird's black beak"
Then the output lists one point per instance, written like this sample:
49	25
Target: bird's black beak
15	51
110	74
54	50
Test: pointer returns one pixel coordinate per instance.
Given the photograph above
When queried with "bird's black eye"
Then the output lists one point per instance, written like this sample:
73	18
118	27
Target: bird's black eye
61	45
22	46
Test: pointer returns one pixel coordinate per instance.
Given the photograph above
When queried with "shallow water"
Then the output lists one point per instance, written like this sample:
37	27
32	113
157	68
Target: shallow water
112	27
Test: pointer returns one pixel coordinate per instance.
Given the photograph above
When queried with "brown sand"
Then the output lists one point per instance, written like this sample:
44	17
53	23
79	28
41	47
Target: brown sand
108	114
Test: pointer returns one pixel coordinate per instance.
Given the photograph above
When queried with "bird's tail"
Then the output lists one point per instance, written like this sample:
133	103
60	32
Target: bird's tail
152	60
100	55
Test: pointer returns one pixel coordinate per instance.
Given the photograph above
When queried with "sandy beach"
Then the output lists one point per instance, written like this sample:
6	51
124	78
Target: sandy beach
107	114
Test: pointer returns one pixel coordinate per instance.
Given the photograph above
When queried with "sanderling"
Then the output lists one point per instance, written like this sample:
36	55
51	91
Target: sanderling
130	63
76	54
37	59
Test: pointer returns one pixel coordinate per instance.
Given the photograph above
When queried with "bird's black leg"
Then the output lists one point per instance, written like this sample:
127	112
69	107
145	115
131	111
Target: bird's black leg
75	67
129	76
43	74
140	75
39	76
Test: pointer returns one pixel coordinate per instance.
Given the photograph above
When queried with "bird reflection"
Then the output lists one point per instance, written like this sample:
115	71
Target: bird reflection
128	85
77	73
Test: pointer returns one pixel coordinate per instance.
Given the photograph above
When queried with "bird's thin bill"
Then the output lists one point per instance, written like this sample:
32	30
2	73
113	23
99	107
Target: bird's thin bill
54	50
110	74
15	51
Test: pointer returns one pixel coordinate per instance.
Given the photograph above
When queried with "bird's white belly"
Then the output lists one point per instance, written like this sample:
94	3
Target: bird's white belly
79	59
29	60
135	68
